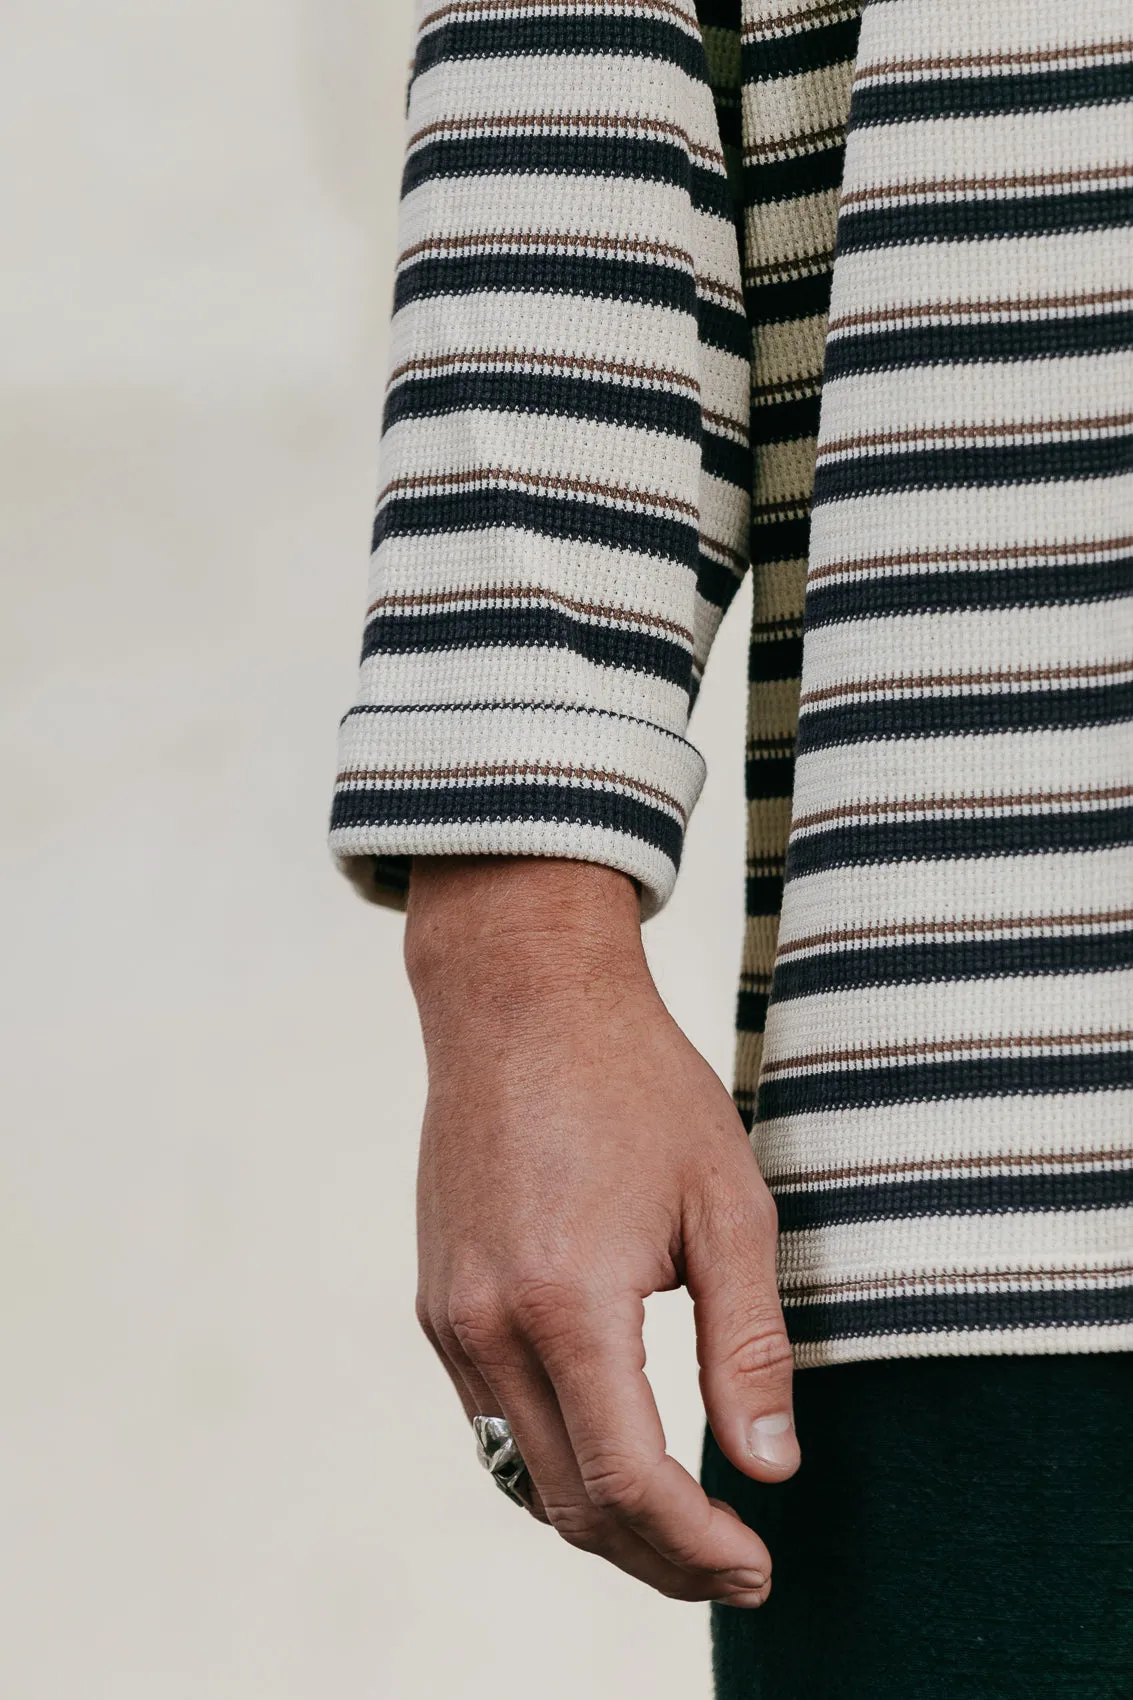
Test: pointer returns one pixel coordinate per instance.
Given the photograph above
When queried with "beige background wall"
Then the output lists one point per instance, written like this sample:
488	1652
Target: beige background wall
229	1469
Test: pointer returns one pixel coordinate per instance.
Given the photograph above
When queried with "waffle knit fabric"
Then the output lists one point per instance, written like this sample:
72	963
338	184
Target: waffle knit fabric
843	294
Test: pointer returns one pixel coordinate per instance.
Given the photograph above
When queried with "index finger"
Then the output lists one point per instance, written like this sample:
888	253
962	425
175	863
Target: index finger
594	1355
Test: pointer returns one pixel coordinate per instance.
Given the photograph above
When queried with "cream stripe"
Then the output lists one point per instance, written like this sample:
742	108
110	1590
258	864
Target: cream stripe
967	26
911	1133
1001	885
967	1011
1116	1337
930	1245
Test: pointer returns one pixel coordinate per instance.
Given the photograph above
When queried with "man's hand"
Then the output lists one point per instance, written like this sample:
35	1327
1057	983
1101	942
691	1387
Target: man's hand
577	1155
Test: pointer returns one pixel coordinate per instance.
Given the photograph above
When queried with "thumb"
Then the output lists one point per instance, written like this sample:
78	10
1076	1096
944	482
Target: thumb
746	1364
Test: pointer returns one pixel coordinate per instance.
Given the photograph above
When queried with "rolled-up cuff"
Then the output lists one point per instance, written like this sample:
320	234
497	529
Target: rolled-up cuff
583	784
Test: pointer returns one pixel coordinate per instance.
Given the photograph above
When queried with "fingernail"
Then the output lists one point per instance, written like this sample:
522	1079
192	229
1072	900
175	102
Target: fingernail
746	1581
747	1595
772	1440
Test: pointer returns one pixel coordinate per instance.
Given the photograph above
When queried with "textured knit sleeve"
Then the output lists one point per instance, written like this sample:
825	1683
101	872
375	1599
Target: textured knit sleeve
563	505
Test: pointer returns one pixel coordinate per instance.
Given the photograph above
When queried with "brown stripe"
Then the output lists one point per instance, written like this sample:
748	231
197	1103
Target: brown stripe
772	865
914	929
507	770
537	481
1019	1162
567	123
426	600
960	62
519	358
948	1047
796	144
738	426
949	557
791	507
1006	304
770	747
790	625
786	268
734	557
924	434
801	388
804	17
961	185
717	286
935	1281
937	804
1000	676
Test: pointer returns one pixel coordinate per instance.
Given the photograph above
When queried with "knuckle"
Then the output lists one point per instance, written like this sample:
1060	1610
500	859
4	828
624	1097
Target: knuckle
472	1318
576	1523
546	1308
686	1547
614	1486
424	1314
760	1353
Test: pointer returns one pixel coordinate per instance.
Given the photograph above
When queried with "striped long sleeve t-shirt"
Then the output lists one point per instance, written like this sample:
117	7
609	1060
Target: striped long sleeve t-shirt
840	295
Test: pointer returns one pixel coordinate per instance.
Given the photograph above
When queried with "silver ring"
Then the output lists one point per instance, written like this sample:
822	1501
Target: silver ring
501	1457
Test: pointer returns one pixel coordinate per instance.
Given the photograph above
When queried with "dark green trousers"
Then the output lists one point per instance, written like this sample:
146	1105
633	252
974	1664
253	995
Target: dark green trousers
959	1527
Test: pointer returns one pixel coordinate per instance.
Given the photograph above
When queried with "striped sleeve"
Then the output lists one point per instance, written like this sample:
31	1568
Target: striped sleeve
563	505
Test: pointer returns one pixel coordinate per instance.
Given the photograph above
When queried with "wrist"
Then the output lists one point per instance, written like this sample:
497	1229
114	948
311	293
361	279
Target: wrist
519	928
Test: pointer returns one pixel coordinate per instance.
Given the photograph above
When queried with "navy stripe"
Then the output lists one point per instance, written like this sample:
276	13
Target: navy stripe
631	36
921	1083
716	582
525	627
775	658
768	776
791	179
785	421
448	804
972	712
981	341
625	157
955	1195
800	50
763	894
981	220
946	840
973	466
718	15
546	515
729	122
778	540
723	457
959	959
873	598
591	275
791	298
927	1313
725	328
751	1012
981	96
602	400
